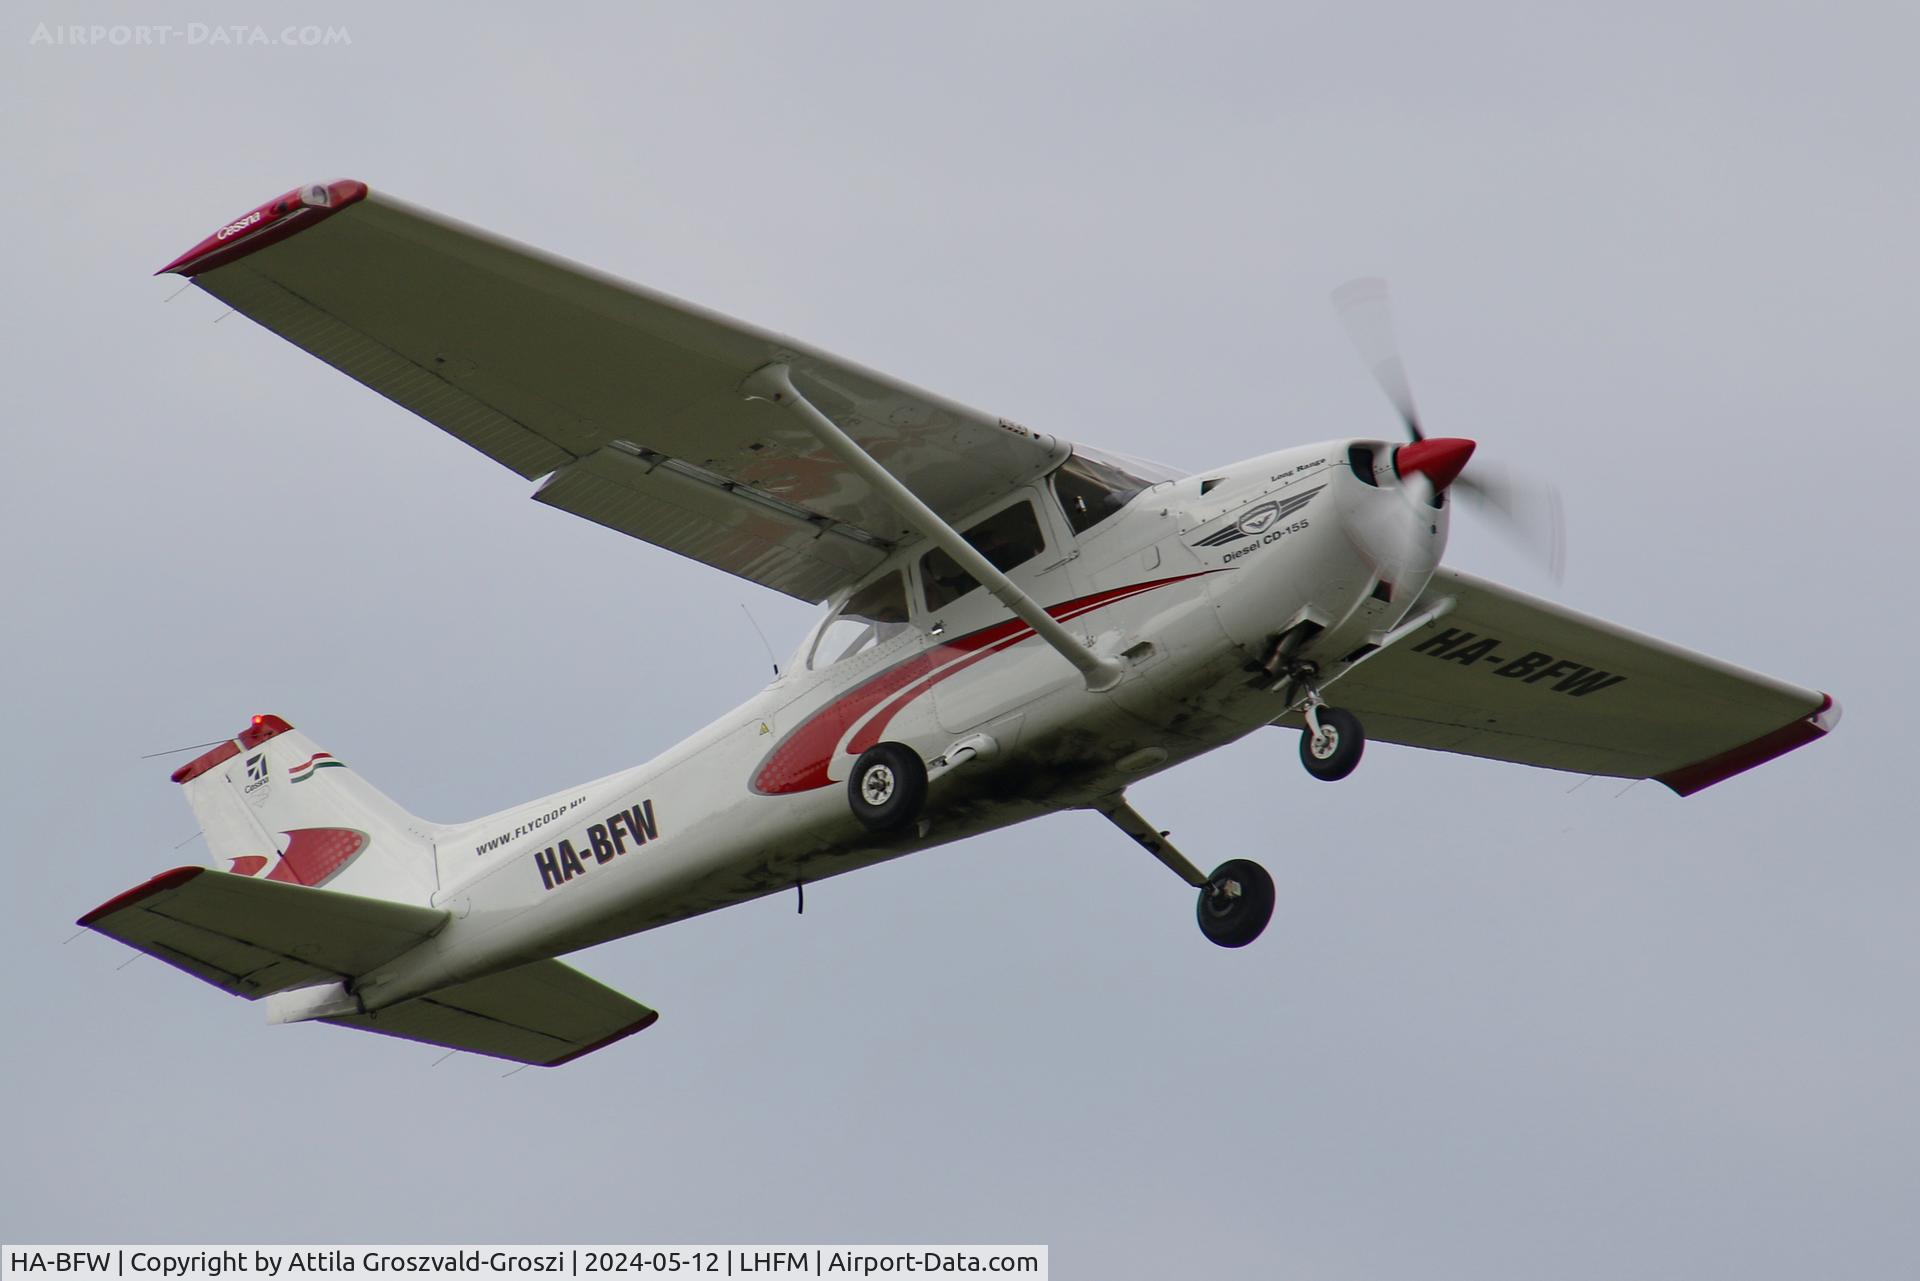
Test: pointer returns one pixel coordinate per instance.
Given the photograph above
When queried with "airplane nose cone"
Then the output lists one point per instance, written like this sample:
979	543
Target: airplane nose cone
1439	459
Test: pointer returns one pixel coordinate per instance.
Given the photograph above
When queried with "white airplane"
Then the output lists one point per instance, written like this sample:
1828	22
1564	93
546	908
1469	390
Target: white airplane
1013	625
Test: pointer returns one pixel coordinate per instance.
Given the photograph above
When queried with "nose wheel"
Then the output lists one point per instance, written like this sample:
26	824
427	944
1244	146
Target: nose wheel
1331	744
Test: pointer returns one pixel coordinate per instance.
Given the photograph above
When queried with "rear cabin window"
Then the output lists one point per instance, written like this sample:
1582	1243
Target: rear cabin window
873	615
1007	538
1091	491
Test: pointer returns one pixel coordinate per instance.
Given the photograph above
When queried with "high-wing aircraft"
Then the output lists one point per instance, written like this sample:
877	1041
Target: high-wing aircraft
1011	625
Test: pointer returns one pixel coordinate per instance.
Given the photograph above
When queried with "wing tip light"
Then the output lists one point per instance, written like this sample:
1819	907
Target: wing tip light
268	224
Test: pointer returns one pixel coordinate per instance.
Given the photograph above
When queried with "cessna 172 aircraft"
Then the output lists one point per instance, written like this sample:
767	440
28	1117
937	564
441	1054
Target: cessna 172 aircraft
1013	625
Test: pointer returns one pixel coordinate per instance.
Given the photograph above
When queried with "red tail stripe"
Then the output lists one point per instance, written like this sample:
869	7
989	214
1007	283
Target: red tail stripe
315	855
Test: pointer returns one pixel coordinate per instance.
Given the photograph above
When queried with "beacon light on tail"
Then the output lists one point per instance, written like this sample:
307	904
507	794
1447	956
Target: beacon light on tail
1010	625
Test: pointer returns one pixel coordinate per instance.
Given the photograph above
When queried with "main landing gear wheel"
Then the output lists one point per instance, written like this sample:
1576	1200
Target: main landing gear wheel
1336	750
1236	903
888	786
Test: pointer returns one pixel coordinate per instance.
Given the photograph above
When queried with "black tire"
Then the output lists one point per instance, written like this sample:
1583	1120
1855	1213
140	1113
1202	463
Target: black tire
1236	919
888	786
1335	759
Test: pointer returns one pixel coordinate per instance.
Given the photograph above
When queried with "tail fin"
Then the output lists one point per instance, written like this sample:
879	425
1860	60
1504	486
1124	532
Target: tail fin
274	805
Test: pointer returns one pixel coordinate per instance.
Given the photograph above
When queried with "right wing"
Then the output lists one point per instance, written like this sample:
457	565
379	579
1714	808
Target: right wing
625	399
1515	678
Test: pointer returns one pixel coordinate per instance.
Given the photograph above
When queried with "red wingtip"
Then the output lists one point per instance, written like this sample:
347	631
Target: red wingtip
267	224
1700	775
639	1025
1440	459
158	885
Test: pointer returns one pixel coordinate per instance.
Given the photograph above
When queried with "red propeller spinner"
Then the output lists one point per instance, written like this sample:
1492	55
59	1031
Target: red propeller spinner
1439	459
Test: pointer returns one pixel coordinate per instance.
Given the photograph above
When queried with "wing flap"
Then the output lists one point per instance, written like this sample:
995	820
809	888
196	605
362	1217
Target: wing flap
672	506
254	937
1514	678
546	1014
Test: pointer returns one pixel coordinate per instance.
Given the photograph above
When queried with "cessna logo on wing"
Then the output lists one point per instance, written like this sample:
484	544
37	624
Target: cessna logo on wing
1260	519
235	228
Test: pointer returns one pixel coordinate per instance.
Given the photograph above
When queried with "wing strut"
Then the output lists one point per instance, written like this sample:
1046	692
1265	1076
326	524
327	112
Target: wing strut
774	383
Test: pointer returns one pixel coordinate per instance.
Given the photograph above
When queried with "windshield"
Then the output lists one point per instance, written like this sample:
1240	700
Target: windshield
1090	490
875	613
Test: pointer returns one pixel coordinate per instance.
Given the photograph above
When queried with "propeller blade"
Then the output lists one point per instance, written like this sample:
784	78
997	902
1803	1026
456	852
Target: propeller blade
1526	512
1365	309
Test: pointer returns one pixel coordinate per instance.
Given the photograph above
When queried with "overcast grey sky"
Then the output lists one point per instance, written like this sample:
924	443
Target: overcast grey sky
1661	253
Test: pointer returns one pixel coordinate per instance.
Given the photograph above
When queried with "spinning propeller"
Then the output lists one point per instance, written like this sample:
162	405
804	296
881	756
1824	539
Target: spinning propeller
1526	512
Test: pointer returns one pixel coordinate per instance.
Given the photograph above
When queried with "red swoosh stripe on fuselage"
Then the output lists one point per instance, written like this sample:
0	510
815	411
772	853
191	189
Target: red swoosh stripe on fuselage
800	761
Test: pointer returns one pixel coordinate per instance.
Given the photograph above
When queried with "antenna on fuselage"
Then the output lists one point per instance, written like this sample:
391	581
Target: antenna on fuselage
763	637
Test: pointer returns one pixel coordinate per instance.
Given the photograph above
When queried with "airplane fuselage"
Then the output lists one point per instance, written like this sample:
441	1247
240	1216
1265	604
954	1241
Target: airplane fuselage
1189	589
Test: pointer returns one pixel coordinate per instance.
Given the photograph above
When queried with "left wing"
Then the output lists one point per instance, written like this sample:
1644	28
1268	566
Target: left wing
1514	678
627	400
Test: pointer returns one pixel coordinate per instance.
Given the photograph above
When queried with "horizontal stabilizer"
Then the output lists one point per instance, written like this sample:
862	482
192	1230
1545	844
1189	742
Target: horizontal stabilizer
251	937
545	1013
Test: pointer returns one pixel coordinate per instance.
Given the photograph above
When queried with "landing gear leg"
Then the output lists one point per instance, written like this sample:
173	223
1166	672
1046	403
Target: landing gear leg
1236	902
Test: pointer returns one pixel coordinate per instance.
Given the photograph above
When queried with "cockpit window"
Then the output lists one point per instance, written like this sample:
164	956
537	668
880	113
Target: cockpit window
874	614
1007	538
1091	491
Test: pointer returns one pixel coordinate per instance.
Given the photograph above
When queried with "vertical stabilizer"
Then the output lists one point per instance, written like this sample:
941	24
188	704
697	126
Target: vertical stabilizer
275	805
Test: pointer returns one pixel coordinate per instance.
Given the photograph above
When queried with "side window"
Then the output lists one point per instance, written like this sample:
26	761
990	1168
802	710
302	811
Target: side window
1090	491
1007	538
875	613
